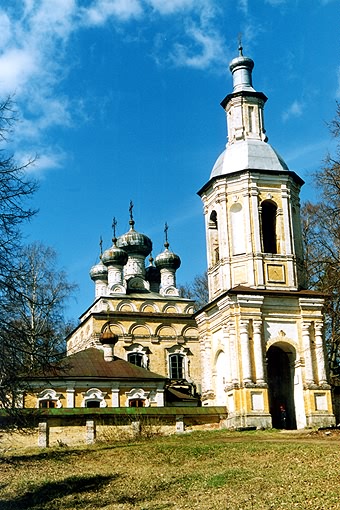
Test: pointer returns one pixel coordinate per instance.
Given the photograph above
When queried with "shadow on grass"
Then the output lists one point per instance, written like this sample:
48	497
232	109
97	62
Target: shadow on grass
40	496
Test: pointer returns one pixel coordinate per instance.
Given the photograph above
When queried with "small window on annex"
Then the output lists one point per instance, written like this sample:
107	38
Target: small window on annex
136	402
136	358
92	403
47	404
268	217
176	366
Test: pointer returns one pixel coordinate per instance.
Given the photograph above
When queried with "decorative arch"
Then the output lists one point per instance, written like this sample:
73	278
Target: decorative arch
170	308
126	306
139	330
94	398
114	327
49	398
166	331
149	307
268	223
137	397
189	332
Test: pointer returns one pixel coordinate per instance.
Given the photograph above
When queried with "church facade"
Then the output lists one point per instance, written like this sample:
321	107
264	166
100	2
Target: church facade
261	332
257	347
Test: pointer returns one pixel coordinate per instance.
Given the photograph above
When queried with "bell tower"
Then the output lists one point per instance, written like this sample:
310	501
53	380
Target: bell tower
262	347
251	202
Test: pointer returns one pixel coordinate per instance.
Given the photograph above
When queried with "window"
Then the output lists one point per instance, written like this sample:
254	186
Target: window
268	217
49	399
47	404
136	402
176	362
92	403
136	358
213	236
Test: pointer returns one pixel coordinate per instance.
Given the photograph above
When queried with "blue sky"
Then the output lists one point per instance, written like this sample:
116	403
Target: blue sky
120	100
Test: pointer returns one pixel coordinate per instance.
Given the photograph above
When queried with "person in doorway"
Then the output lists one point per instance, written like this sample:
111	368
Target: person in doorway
283	416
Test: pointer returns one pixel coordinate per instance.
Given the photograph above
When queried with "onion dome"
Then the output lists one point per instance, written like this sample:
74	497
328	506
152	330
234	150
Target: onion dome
152	273
114	256
241	68
98	272
133	242
107	337
167	259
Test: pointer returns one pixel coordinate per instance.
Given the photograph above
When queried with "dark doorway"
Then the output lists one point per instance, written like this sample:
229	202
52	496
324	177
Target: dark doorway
281	389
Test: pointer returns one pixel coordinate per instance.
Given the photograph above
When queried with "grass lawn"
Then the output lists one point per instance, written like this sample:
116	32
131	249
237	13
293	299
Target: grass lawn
217	470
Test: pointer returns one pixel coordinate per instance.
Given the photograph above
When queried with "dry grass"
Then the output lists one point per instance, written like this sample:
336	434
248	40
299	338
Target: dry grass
218	470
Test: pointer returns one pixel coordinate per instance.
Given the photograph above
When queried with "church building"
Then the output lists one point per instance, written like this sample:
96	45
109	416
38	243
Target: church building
257	347
261	332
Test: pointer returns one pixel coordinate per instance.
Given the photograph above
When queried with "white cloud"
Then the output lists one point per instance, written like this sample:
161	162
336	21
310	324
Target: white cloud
202	50
171	6
102	10
276	2
294	110
243	4
34	38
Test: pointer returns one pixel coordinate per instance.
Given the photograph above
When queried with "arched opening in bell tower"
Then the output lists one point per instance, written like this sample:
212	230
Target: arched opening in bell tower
280	371
213	237
268	219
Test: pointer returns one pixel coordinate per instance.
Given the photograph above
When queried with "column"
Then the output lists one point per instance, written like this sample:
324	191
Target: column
286	220
232	354
246	361
320	354
70	397
207	346
228	378
115	395
258	352
43	435
90	431
309	379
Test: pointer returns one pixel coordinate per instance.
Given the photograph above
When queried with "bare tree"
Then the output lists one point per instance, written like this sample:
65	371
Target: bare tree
33	329
321	232
197	290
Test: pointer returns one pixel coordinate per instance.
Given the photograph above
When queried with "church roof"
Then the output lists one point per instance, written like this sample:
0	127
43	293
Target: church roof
90	364
248	154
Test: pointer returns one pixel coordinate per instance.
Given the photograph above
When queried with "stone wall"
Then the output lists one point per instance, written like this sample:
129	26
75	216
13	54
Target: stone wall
73	427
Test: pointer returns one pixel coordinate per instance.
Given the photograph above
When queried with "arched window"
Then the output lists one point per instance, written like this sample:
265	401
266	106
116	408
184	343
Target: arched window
49	399
176	366
213	236
268	217
136	358
94	397
137	354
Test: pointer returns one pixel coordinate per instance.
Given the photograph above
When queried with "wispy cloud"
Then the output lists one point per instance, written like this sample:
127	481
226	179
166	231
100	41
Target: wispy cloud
35	37
294	110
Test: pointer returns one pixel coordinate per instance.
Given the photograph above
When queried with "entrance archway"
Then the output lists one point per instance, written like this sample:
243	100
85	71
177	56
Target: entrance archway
281	388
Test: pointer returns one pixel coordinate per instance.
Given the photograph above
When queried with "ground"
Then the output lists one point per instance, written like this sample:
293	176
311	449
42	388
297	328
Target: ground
217	470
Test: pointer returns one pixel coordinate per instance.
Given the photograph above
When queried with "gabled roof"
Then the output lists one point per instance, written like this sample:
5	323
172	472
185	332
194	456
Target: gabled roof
90	364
